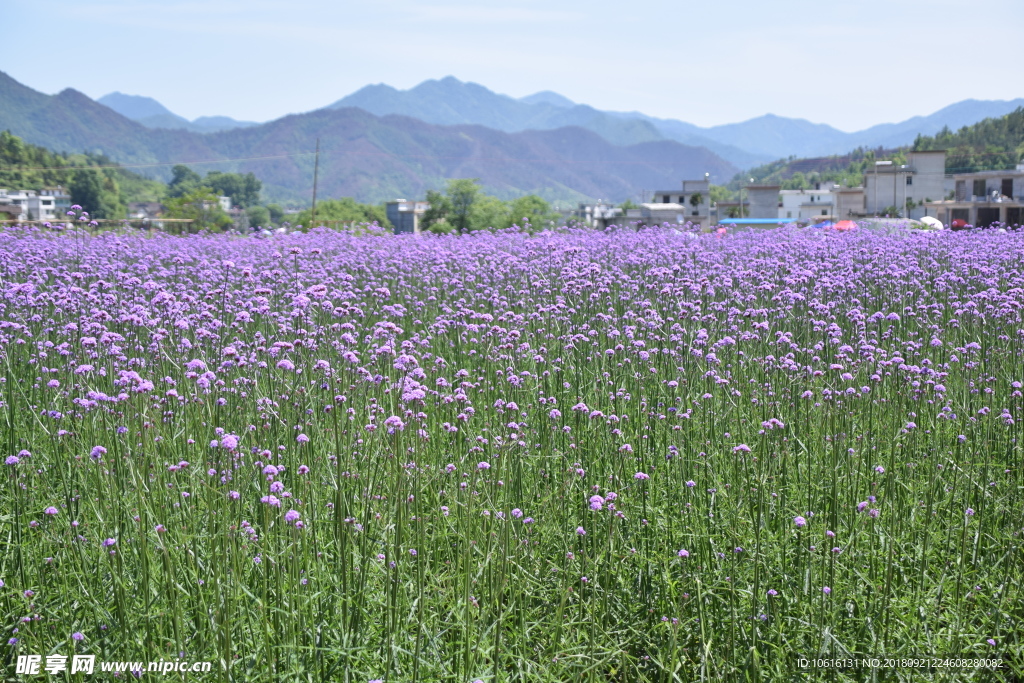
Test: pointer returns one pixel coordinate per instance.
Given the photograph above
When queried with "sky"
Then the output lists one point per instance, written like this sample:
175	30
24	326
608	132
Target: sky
848	64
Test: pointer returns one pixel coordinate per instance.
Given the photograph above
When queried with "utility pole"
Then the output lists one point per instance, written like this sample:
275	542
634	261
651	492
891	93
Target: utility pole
877	164
316	169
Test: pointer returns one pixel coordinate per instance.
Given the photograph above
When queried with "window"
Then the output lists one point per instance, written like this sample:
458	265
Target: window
789	214
910	180
961	190
666	199
1007	188
979	188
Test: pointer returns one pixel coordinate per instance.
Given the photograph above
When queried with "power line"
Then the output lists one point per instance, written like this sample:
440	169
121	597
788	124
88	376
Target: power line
150	165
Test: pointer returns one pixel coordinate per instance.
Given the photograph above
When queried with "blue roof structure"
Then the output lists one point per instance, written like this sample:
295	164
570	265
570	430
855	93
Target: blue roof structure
755	221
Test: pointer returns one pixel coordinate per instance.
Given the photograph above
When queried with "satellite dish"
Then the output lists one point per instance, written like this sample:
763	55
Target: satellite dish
932	223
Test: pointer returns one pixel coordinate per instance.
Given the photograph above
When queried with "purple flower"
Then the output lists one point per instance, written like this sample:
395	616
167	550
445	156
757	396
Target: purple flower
742	448
12	460
691	483
641	476
109	542
291	516
772	592
78	635
873	513
580	531
683	553
53	511
302	438
799	521
826	590
271	500
483	466
969	512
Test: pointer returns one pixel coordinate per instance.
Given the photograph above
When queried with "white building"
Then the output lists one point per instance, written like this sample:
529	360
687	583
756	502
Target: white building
921	179
19	199
983	198
49	204
693	198
599	215
808	205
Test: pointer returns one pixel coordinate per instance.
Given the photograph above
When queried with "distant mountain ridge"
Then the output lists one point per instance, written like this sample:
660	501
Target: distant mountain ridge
744	144
152	114
450	101
364	156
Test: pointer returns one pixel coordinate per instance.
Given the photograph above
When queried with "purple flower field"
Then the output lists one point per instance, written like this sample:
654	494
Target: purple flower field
603	456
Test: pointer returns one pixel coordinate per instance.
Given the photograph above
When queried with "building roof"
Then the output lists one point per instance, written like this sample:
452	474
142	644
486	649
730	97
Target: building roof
755	221
1010	172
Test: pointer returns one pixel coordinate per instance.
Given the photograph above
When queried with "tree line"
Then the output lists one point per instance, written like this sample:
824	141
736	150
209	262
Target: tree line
103	189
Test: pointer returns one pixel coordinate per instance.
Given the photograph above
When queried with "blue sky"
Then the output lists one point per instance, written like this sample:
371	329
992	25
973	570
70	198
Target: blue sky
848	64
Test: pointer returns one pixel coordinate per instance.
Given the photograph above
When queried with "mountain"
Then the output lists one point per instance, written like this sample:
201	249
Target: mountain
152	114
368	157
450	101
136	107
745	144
548	97
954	117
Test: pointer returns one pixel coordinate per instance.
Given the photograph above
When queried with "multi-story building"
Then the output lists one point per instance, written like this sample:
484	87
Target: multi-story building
406	215
808	205
921	179
16	200
693	198
598	215
762	201
49	204
983	198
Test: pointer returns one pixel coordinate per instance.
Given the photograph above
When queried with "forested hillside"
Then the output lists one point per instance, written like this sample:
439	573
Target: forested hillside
90	178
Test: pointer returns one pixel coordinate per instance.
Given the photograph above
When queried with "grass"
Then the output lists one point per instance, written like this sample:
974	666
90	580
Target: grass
442	412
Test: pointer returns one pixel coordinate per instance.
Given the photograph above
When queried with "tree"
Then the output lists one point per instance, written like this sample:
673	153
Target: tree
244	190
97	193
276	213
183	181
200	205
719	193
462	194
438	212
344	210
629	204
258	216
695	199
531	213
487	212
